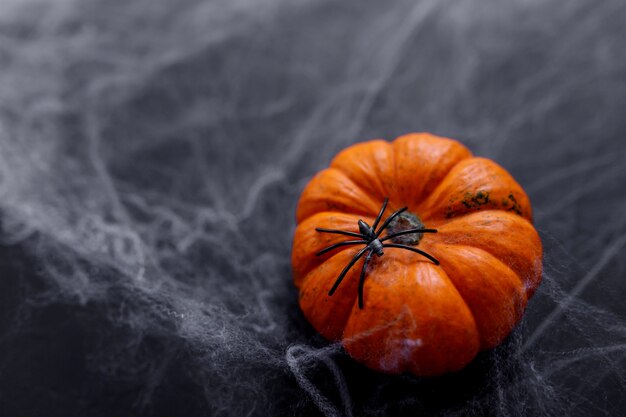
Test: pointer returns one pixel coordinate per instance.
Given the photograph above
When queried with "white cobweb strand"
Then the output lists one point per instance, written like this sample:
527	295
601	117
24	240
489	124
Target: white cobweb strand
609	253
176	219
301	357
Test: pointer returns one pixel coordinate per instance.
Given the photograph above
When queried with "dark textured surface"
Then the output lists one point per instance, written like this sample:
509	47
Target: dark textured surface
152	153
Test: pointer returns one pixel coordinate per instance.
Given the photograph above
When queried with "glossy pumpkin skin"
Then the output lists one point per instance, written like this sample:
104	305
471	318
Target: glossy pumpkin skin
418	317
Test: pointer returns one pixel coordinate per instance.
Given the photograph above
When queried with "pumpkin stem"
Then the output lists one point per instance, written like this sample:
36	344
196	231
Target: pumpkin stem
390	219
407	229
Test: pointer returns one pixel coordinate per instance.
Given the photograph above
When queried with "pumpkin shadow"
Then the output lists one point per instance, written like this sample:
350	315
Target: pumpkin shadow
407	394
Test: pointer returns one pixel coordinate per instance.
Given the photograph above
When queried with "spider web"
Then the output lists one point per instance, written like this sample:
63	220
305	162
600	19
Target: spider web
152	153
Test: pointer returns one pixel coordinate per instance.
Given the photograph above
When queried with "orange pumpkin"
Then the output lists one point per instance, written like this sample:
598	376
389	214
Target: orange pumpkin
415	315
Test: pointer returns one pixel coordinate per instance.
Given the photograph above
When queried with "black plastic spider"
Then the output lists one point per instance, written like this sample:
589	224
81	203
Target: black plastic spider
373	244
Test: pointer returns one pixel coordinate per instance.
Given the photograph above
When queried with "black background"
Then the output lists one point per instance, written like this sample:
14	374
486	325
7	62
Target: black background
152	154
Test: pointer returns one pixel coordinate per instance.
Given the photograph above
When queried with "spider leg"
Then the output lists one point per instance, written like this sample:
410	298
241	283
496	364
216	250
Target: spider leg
380	214
421	252
339	232
362	279
408	232
346	269
337	245
389	219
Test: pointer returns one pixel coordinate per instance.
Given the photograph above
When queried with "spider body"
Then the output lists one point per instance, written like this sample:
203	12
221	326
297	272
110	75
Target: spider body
372	240
370	237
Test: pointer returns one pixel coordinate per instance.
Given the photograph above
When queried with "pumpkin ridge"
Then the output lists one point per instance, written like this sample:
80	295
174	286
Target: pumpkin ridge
360	321
305	231
443	155
493	260
446	277
355	160
323	201
500	192
329	315
444	237
521	282
333	254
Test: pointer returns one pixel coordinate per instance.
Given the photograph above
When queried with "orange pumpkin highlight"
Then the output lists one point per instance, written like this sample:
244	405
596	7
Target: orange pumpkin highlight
417	316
